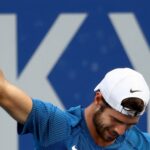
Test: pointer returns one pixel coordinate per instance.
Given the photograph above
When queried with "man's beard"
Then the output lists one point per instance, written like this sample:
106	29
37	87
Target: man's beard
104	131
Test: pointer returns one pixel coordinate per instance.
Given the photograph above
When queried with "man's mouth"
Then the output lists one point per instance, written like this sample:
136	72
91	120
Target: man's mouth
112	135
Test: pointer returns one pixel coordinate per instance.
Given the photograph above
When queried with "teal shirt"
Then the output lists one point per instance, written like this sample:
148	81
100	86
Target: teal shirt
54	129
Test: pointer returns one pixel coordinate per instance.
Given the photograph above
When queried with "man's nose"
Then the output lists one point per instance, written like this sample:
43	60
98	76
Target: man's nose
120	129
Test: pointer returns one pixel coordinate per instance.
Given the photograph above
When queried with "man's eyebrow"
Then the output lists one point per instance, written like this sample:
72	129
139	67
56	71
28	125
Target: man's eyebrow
119	121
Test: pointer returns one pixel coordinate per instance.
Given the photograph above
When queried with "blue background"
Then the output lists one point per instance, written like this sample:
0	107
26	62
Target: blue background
94	50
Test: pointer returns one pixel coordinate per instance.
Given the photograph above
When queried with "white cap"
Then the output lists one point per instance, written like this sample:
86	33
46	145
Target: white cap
123	83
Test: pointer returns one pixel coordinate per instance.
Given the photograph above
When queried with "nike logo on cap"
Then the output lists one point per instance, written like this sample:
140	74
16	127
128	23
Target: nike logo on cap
133	91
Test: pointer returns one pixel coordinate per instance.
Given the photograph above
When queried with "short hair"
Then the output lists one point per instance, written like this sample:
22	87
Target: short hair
133	104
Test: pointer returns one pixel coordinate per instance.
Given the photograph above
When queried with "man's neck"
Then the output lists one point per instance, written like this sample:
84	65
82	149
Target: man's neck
97	139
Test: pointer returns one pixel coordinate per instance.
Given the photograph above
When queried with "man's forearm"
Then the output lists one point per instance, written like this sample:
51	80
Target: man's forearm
16	102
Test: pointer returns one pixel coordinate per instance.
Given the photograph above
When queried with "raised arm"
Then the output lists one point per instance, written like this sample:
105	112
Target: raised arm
14	100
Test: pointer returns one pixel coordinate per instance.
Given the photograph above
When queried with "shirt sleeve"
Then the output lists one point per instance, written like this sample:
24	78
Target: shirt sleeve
47	123
147	136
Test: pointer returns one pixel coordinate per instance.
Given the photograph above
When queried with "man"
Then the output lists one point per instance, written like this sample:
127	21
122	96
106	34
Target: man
107	123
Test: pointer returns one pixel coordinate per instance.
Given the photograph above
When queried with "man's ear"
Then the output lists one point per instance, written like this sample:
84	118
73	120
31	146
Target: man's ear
98	98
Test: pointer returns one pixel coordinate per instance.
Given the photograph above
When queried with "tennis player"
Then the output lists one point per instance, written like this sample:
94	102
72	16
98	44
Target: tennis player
108	123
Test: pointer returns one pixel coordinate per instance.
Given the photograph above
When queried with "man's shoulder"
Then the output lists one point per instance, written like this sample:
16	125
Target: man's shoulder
136	137
74	115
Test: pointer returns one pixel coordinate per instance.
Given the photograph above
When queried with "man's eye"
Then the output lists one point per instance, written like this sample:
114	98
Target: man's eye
116	120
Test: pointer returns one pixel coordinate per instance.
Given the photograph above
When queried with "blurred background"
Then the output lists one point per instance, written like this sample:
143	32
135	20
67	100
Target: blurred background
58	50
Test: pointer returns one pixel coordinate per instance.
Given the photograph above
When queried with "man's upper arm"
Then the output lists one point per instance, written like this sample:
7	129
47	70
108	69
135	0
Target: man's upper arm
47	123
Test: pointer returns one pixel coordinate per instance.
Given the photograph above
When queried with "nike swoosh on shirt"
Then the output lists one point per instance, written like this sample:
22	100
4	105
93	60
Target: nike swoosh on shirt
74	147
